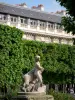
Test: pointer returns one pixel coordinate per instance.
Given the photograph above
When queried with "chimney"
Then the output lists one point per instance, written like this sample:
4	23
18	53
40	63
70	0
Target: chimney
40	7
23	5
34	7
62	12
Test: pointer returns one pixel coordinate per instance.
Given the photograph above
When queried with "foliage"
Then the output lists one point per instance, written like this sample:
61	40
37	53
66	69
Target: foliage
58	60
69	21
17	56
11	56
69	5
69	24
60	96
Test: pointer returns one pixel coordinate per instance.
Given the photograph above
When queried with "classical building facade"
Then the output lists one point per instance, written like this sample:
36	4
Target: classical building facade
37	24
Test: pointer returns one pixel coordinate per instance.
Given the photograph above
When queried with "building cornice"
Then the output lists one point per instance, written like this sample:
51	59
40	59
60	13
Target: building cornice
48	34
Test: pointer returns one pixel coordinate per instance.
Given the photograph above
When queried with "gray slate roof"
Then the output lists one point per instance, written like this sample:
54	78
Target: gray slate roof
30	13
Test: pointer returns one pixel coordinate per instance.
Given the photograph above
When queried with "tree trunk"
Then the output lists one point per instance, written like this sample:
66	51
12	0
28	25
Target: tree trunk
74	88
56	87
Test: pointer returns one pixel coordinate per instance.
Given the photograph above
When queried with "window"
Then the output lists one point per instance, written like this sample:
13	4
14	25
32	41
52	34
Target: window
50	26
42	25
59	27
3	17
33	23
24	20
21	20
13	19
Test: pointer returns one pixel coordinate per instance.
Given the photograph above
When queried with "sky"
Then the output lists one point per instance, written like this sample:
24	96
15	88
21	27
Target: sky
49	5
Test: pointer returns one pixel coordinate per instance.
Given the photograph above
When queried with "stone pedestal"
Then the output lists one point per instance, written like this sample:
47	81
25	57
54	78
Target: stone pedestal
34	96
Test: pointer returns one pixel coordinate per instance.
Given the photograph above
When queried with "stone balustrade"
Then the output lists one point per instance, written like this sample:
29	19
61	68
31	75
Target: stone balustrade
38	30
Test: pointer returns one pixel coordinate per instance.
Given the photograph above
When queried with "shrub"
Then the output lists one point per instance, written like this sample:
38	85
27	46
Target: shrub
60	96
17	57
11	57
57	59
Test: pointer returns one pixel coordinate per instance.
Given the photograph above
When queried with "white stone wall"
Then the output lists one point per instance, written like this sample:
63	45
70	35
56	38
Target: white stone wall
44	34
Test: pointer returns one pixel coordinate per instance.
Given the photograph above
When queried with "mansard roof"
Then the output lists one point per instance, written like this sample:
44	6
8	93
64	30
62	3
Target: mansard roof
30	13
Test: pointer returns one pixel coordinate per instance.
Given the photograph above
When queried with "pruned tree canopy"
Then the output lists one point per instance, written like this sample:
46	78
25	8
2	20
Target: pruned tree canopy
69	21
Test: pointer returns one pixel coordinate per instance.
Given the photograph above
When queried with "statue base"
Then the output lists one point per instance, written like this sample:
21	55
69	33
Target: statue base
34	96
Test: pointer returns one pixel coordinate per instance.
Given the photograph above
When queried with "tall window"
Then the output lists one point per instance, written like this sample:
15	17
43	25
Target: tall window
13	19
3	17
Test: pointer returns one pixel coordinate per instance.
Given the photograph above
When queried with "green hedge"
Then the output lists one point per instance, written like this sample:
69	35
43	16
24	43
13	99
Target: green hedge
17	57
58	60
11	56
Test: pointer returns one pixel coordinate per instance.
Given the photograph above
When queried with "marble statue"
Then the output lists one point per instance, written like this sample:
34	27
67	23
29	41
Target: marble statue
33	79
